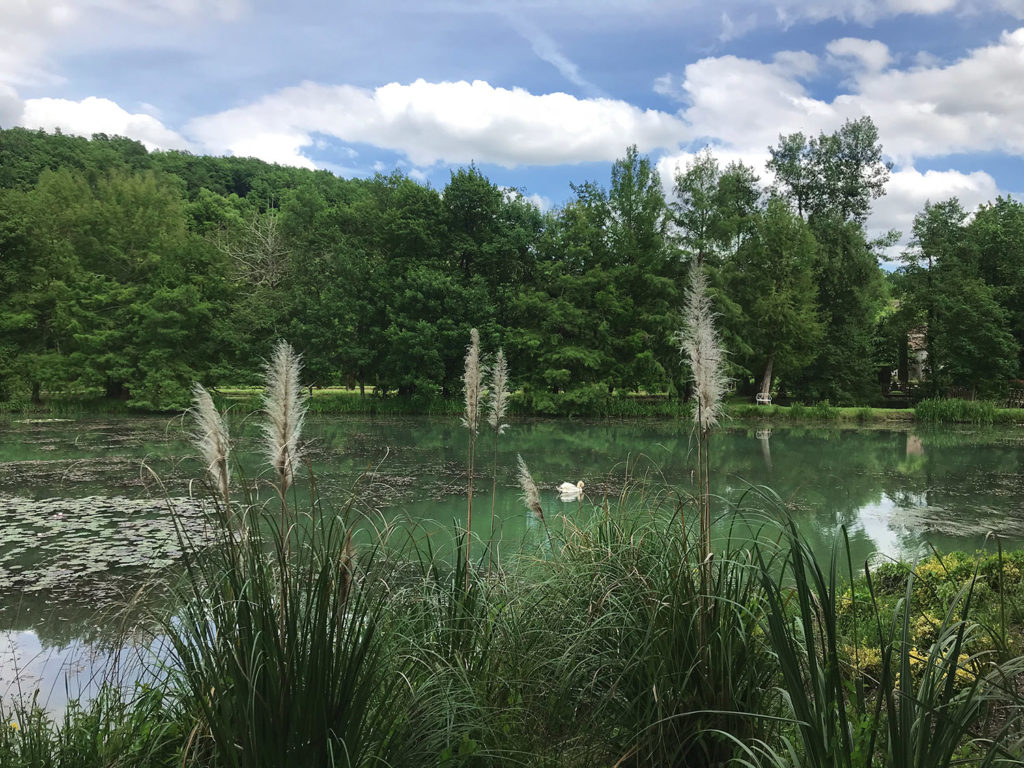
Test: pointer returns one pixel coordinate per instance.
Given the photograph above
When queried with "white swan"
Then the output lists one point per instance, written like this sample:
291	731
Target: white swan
569	492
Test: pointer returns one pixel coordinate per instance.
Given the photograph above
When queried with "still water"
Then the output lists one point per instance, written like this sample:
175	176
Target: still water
86	517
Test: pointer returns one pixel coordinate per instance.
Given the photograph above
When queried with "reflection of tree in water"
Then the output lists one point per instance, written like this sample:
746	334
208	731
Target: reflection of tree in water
884	485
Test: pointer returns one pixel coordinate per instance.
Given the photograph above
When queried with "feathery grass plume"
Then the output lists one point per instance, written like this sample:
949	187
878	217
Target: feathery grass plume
285	411
498	389
531	496
499	393
211	438
472	380
700	341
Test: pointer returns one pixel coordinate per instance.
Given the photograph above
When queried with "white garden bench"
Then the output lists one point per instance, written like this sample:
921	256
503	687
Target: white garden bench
763	398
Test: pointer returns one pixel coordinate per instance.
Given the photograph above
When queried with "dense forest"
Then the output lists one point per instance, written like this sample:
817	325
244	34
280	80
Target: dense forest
131	274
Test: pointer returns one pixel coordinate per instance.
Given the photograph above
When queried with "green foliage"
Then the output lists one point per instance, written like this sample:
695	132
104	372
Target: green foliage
961	286
673	666
941	411
134	273
115	728
905	704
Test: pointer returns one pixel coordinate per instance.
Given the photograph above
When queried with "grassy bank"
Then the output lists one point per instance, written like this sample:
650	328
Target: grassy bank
341	402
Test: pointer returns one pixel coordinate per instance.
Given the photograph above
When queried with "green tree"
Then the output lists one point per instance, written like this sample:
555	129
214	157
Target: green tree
960	284
642	292
771	278
832	180
834	175
995	245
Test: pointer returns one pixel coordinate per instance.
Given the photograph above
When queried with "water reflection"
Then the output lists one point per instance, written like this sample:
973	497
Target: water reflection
894	490
53	675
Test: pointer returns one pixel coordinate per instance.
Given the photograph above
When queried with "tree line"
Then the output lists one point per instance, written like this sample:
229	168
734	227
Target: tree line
133	273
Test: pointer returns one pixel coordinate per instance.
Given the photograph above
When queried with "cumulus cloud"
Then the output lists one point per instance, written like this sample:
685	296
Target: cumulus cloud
864	54
908	191
93	115
970	105
542	203
449	122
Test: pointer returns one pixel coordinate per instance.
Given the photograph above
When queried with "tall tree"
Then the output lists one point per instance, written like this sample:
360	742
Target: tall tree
834	175
643	289
771	278
832	180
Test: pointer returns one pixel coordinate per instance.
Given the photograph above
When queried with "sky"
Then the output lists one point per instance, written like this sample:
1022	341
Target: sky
537	93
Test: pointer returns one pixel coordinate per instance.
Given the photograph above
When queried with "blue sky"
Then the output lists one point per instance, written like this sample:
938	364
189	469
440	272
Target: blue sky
538	93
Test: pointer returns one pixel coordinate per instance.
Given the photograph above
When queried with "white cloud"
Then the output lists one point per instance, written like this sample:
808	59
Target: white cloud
925	7
864	54
778	11
93	115
547	50
31	29
746	104
733	29
906	193
542	203
870	11
449	122
908	190
971	105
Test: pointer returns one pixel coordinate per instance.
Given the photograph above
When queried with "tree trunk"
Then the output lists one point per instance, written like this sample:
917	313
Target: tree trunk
36	398
362	389
116	390
766	380
766	448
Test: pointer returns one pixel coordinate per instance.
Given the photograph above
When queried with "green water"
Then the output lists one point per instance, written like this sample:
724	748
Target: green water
85	502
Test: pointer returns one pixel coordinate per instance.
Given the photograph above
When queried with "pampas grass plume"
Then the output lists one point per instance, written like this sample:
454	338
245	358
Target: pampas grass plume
211	438
700	341
499	393
531	496
285	411
472	380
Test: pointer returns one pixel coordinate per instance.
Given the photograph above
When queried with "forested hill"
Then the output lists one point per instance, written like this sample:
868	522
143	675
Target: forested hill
133	273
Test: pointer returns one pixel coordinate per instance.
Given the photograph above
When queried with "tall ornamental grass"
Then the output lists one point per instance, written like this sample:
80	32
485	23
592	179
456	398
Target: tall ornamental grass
276	651
667	668
699	341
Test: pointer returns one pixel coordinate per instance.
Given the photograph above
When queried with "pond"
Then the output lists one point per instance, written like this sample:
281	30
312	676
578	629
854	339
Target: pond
86	503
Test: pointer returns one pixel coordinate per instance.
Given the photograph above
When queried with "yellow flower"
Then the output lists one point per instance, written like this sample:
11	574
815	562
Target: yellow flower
15	726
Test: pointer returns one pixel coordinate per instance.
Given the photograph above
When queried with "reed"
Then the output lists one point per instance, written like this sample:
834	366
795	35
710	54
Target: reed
119	727
498	392
472	381
275	649
531	496
699	340
953	411
921	707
